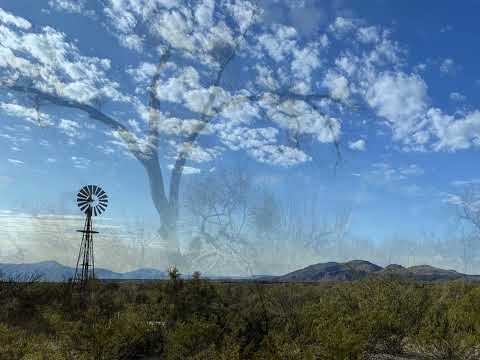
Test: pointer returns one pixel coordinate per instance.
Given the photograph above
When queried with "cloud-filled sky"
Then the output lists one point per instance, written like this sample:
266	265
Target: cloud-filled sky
371	106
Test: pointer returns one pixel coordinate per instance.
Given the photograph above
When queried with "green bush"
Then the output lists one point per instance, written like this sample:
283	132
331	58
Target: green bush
198	319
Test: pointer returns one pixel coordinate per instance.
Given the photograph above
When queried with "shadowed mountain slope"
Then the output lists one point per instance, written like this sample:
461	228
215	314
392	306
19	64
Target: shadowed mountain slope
359	269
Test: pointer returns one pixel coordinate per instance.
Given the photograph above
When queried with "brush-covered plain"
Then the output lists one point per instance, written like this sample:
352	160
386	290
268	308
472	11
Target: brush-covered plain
200	319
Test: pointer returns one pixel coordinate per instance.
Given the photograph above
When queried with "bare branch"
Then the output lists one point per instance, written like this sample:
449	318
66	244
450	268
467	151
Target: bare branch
93	112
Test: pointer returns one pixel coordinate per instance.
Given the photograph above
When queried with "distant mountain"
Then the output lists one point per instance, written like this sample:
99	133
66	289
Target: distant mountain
428	273
55	272
331	271
359	269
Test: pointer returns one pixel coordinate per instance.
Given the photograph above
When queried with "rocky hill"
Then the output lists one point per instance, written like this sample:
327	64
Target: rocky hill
359	269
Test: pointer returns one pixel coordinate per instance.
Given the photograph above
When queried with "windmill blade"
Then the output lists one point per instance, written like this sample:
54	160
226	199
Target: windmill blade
94	189
101	193
98	191
104	196
85	207
81	195
95	211
83	192
90	190
101	207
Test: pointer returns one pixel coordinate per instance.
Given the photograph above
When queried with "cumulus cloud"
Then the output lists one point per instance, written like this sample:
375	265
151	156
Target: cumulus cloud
455	133
9	19
54	64
27	113
342	26
370	34
358	145
72	6
69	128
448	66
456	96
279	155
369	68
337	85
401	99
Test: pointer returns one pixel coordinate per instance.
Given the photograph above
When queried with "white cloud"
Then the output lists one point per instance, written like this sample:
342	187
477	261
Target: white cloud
261	144
55	64
448	66
462	183
80	162
401	99
454	133
29	114
280	43
279	155
383	172
177	126
9	19
368	34
69	128
143	72
73	6
15	162
411	170
358	145
187	170
342	25
337	85
301	118
456	96
420	67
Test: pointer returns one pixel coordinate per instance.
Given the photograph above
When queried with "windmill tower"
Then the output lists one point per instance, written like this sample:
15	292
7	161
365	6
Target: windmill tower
92	201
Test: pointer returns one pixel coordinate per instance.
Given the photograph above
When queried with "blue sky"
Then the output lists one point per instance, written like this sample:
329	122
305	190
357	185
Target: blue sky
403	78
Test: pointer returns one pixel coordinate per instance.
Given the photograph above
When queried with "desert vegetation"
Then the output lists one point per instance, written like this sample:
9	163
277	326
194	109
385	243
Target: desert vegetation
201	319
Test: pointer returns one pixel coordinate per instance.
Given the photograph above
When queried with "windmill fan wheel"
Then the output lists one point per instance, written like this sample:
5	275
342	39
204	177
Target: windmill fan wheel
92	200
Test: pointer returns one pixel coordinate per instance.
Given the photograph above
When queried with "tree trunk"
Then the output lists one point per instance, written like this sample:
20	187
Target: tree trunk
167	246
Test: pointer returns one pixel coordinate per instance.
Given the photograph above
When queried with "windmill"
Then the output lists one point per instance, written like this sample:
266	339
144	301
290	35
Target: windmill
92	200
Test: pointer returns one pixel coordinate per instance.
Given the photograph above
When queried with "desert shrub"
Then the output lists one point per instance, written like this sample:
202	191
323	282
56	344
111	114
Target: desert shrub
199	319
451	325
190	338
375	315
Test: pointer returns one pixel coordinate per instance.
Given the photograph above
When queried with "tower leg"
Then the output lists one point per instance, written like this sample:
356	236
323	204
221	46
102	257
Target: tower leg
84	270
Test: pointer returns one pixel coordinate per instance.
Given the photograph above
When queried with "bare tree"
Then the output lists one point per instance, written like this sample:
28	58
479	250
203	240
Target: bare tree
264	216
141	239
218	208
468	212
204	53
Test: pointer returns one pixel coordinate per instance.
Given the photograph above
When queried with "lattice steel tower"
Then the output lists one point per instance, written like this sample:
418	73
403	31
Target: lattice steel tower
93	201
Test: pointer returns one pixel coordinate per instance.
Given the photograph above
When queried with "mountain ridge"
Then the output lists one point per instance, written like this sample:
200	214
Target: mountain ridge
53	271
359	269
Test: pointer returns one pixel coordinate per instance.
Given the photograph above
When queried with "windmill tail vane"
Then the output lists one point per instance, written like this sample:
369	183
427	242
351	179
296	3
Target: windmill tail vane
92	201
